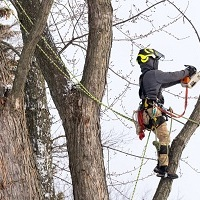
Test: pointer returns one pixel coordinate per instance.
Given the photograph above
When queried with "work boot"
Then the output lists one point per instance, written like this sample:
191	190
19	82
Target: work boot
162	172
157	168
172	175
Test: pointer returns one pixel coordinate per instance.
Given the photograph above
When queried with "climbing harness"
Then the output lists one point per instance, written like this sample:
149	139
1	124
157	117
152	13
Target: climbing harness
154	121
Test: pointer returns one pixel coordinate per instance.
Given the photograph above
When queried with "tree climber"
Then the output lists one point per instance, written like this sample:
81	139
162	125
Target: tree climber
151	82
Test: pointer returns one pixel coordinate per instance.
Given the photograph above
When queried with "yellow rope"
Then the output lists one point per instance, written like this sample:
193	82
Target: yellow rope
142	161
191	120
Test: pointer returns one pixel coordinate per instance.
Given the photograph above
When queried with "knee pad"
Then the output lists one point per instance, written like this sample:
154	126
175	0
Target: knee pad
164	149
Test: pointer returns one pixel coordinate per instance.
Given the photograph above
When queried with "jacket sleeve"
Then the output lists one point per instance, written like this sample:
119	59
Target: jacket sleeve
166	85
167	79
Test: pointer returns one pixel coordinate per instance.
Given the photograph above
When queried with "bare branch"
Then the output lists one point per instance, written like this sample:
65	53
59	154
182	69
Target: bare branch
126	153
28	51
186	19
124	21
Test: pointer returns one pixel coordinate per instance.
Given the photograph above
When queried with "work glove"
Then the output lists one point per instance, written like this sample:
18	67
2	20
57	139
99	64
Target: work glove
192	70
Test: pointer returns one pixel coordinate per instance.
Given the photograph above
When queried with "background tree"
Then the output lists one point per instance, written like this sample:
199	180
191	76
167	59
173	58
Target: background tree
39	128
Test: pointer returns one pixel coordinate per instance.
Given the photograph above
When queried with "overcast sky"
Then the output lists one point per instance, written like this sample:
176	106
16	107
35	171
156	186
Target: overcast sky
178	52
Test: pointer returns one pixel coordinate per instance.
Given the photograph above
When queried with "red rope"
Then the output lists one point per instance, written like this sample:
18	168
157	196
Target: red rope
141	124
185	106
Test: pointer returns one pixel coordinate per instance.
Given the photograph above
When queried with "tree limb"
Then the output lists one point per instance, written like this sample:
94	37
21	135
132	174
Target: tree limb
28	51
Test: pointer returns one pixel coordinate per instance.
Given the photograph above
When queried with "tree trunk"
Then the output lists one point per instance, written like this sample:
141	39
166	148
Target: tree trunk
18	174
82	120
81	115
18	177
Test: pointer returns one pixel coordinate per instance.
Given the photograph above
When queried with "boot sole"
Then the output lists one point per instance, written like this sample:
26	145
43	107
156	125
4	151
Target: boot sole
166	176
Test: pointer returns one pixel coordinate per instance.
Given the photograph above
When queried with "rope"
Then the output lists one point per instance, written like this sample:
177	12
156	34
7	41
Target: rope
173	114
142	161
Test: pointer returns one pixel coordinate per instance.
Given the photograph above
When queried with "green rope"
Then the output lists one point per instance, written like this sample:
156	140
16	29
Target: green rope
81	86
142	161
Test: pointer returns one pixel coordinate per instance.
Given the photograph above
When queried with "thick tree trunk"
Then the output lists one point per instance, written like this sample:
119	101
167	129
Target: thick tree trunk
81	123
82	120
18	174
81	115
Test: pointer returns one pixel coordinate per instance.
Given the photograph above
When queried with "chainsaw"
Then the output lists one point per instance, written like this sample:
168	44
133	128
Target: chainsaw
190	81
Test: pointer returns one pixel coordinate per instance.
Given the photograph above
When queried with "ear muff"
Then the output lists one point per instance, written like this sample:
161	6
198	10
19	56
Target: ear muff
142	58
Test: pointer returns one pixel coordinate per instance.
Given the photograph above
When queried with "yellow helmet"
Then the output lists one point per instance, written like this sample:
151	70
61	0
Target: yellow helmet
144	55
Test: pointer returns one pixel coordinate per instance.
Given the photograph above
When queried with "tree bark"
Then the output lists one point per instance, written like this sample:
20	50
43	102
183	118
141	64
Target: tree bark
84	137
80	114
18	174
18	177
32	39
39	125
